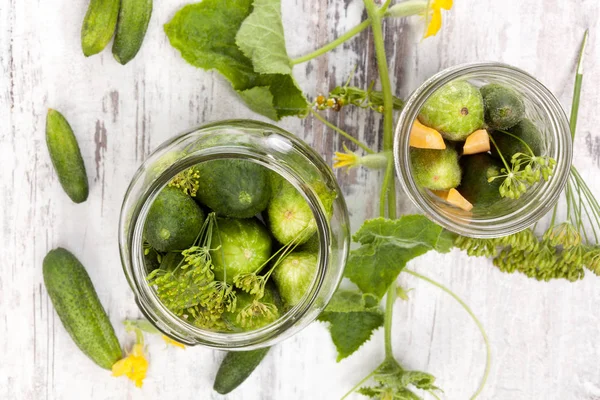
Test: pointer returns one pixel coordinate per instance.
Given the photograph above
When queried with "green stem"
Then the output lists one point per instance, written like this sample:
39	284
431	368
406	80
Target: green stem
333	44
554	215
488	349
500	154
387	322
388	190
577	88
519	139
342	132
359	384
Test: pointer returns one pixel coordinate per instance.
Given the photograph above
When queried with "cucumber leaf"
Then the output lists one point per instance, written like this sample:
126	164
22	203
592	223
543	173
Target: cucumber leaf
205	35
352	317
387	245
262	40
349	330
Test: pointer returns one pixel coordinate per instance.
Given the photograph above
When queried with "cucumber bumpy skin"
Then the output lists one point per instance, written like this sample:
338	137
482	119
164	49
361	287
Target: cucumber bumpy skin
504	107
435	169
66	156
134	18
78	307
526	131
455	110
294	276
236	367
240	246
475	187
174	221
99	25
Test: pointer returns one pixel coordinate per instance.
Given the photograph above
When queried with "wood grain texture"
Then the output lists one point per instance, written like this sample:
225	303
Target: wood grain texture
544	335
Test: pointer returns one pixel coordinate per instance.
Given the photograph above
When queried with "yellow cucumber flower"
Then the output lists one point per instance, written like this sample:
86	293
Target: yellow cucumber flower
135	365
351	160
434	16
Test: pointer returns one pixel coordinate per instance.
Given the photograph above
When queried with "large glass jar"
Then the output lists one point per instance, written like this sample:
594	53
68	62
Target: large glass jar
507	216
266	145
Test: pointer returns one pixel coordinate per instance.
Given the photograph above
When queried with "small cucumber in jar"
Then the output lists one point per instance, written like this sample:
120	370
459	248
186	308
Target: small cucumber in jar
289	214
239	246
174	221
504	107
521	138
79	309
455	110
294	275
66	156
99	25
435	169
233	188
134	17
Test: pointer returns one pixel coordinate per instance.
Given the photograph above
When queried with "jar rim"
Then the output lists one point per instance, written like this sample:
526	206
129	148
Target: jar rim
130	242
543	196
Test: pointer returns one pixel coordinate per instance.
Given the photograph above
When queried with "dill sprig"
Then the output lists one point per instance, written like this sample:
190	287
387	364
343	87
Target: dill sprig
567	247
247	316
187	181
191	287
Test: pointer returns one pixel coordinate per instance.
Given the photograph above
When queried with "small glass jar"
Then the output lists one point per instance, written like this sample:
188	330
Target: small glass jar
266	145
506	216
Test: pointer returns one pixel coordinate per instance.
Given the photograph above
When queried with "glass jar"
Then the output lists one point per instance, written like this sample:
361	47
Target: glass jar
506	216
266	145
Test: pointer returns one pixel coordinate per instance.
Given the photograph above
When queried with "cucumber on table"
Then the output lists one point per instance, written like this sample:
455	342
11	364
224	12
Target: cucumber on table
233	188
134	17
99	25
174	221
79	309
236	367
66	156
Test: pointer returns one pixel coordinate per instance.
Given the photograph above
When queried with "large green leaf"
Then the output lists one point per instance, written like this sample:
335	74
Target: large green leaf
262	40
349	330
205	34
387	245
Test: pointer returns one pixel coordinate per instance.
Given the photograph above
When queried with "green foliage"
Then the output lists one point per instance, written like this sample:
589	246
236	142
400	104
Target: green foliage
387	245
206	34
352	318
261	39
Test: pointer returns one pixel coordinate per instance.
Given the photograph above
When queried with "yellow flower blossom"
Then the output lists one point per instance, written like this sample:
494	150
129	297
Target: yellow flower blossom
347	159
134	366
172	342
434	16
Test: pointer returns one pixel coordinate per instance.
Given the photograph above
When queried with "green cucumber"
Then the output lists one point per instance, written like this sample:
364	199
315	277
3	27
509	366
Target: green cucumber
240	246
520	138
504	107
233	188
435	169
76	303
236	367
455	110
99	25
66	156
294	275
475	187
174	221
134	18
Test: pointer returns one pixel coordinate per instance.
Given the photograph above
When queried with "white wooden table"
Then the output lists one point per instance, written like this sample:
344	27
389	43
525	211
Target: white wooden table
544	335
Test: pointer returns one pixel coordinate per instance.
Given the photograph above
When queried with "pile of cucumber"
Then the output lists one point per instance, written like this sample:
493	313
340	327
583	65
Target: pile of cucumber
450	149
235	229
